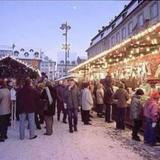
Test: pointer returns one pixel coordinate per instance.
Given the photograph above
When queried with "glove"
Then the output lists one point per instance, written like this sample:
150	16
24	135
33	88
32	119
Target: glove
65	106
154	124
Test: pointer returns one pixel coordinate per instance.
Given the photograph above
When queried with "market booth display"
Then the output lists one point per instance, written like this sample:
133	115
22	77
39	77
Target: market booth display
136	61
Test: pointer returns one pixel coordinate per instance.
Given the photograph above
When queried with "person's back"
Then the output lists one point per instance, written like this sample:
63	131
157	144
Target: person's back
5	110
122	96
135	107
87	101
5	101
151	109
151	118
27	97
108	93
100	95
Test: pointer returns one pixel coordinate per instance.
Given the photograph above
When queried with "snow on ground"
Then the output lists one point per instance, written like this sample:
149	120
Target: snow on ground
97	142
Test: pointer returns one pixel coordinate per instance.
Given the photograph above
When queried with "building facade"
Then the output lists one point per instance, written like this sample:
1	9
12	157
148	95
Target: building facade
32	57
5	50
48	67
135	17
60	72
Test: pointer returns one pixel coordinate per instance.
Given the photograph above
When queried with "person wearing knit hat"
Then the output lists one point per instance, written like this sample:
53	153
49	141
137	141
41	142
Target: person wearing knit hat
151	118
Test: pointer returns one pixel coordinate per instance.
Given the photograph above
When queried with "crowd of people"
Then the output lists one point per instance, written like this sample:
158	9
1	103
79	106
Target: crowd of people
39	102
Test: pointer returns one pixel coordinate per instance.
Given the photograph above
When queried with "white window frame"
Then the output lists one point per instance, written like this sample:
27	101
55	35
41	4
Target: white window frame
154	10
118	37
130	27
124	34
139	19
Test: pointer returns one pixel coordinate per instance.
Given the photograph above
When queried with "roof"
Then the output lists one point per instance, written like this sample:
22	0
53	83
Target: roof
116	17
66	77
12	67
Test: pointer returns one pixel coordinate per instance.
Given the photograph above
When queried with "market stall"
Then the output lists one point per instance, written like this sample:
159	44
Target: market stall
13	68
136	61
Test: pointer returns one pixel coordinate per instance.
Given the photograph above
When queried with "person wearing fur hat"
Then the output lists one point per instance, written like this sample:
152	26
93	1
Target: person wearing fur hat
151	117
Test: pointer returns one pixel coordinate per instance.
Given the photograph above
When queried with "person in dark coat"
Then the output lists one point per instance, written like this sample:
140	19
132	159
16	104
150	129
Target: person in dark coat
108	93
60	102
48	97
39	116
73	102
27	106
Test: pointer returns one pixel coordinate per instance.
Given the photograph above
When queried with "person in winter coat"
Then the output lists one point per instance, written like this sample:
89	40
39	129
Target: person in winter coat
136	113
27	99
39	116
87	103
60	102
122	96
108	98
49	107
5	110
99	99
151	117
73	103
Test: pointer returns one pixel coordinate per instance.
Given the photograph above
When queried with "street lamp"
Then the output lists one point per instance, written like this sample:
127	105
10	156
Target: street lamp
66	27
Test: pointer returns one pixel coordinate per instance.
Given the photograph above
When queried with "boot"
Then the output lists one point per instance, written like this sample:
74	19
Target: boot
71	130
136	138
75	128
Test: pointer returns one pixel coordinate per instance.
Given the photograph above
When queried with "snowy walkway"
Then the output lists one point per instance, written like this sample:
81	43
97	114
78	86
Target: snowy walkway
89	143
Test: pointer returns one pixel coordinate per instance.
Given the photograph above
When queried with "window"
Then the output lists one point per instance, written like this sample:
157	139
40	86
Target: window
140	20
124	14
113	26
130	27
118	37
124	33
22	50
61	62
31	50
36	54
113	41
102	35
16	53
26	54
154	10
68	62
